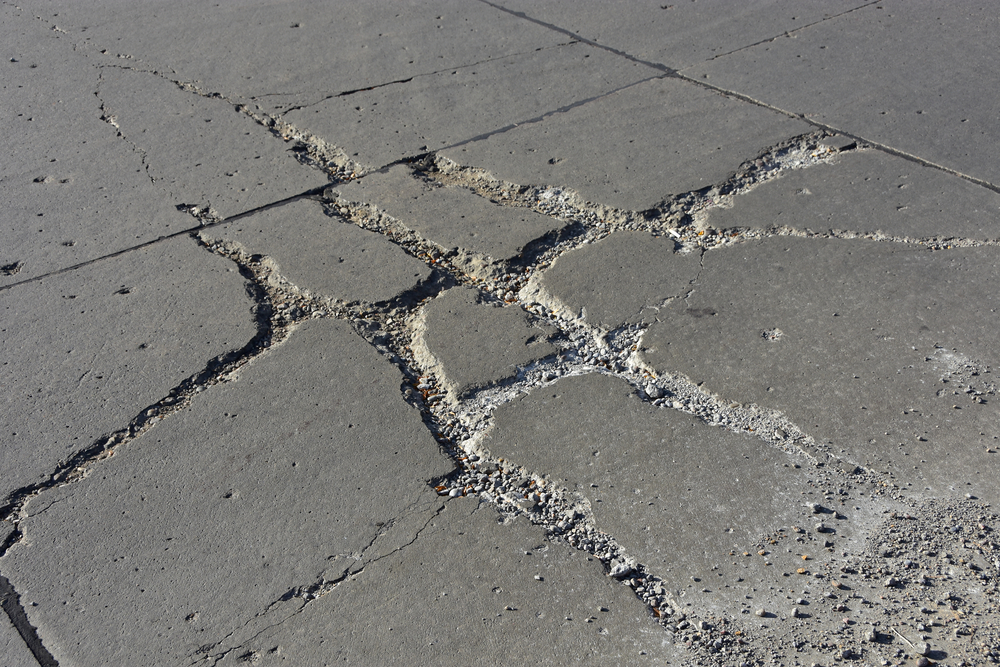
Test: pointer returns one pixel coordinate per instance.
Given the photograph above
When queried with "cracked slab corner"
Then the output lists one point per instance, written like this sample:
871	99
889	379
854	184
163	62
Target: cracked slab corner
472	343
90	349
473	589
871	194
325	254
679	495
200	149
644	144
262	486
450	216
886	351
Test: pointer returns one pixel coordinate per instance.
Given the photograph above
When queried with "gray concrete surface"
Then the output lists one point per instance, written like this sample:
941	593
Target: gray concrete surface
452	217
324	254
13	649
474	344
500	332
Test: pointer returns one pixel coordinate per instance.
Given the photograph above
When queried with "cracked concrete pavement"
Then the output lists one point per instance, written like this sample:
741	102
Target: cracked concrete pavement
499	332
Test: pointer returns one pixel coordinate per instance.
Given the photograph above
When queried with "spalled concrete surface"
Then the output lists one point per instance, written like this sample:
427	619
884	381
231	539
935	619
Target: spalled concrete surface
87	352
451	217
499	332
643	144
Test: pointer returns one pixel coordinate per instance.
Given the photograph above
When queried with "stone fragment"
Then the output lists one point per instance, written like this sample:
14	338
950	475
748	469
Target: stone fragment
475	344
87	351
643	144
451	217
326	255
266	490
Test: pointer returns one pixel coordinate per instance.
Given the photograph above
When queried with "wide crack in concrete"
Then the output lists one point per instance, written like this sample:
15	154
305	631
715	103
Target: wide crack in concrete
463	418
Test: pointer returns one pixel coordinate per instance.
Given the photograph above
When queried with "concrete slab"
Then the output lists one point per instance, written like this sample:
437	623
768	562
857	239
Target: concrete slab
452	217
306	468
86	351
13	649
58	210
639	275
475	344
869	192
644	143
825	73
683	33
325	255
388	123
201	151
470	591
887	352
313	48
680	496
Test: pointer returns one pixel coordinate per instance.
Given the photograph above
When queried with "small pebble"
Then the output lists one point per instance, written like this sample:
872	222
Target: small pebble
761	613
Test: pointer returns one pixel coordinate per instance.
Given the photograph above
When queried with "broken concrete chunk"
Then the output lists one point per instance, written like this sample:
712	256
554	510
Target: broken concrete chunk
643	144
638	275
474	589
677	494
882	342
326	255
476	344
451	217
86	351
868	192
267	489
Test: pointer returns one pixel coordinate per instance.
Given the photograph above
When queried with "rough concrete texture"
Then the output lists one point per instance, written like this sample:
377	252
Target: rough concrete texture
58	209
950	52
299	472
228	165
488	593
476	344
13	649
388	123
639	276
325	254
869	193
683	33
623	455
350	47
860	343
301	410
87	352
643	144
451	217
